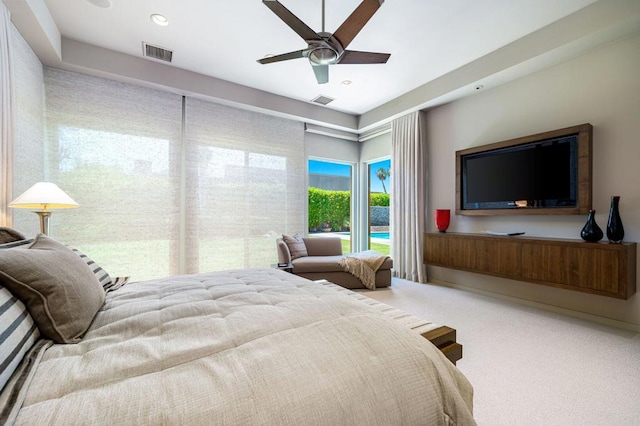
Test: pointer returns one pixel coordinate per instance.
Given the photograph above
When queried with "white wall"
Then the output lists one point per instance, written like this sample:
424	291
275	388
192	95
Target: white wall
601	87
328	148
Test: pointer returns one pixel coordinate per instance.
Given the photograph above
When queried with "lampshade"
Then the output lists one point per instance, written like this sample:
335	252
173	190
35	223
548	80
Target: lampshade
44	195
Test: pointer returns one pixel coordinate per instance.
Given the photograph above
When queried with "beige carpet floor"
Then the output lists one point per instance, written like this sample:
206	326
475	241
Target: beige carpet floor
529	366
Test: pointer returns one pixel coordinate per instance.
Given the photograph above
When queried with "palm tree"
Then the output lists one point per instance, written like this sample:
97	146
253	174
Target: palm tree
383	174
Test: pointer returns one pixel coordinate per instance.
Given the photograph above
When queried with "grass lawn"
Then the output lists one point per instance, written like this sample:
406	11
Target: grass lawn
380	248
148	259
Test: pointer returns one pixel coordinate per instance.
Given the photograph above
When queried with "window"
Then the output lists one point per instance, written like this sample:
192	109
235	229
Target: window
166	184
122	182
379	201
330	201
245	185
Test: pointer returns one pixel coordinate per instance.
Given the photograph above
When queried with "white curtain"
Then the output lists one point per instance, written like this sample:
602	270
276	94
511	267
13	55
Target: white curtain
6	117
409	189
169	185
115	149
245	185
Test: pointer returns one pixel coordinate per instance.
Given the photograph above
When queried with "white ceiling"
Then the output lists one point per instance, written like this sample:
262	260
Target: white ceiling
223	39
440	50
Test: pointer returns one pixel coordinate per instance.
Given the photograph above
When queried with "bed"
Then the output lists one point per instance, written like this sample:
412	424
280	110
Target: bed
250	346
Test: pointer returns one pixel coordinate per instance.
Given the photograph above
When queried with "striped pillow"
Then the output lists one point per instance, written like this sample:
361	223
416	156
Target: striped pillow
116	283
103	277
18	333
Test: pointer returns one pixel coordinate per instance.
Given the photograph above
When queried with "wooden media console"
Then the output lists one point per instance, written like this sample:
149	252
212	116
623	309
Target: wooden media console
597	268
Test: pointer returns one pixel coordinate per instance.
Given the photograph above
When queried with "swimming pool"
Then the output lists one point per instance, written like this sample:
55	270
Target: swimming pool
381	235
347	235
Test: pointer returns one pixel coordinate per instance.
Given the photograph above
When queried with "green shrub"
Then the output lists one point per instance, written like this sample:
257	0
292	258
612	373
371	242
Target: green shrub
329	207
334	207
380	199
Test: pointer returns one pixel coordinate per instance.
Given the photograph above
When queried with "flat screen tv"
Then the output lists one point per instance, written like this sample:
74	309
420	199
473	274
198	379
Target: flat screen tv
547	173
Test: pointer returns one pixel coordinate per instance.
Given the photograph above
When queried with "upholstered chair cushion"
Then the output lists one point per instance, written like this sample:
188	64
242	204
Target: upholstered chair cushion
296	245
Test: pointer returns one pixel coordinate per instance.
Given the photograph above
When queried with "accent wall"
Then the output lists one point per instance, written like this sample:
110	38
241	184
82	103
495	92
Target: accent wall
600	87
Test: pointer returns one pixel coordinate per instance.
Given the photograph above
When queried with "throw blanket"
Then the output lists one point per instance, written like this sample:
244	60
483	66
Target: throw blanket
364	265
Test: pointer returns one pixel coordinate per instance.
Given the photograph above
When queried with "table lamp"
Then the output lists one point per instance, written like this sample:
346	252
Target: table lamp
44	196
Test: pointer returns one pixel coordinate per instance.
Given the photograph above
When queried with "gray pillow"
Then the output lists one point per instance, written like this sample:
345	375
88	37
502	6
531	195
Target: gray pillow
8	235
296	245
61	293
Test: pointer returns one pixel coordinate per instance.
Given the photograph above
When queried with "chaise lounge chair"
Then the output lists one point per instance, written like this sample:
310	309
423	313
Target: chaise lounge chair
319	259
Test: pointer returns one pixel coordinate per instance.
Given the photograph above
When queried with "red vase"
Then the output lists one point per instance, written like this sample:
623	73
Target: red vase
443	217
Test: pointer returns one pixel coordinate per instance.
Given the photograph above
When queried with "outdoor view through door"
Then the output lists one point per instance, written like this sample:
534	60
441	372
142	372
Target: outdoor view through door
330	201
379	195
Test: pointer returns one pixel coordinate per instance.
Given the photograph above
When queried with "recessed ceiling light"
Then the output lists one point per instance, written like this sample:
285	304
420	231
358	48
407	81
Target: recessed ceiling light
346	82
158	19
101	3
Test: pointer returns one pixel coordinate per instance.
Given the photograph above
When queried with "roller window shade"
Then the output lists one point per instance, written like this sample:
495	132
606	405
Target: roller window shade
161	193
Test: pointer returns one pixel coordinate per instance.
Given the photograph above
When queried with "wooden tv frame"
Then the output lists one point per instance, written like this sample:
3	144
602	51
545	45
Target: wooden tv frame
585	152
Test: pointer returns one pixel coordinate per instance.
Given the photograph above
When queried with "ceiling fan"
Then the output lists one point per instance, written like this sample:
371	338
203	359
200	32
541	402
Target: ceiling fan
323	48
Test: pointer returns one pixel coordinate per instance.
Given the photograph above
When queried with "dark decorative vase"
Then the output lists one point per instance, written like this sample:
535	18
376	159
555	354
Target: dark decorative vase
615	230
591	232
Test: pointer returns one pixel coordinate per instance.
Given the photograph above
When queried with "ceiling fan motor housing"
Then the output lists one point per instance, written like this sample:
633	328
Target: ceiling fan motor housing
326	51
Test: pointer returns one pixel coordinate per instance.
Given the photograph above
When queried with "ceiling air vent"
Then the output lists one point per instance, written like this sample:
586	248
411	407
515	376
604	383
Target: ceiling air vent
156	52
322	100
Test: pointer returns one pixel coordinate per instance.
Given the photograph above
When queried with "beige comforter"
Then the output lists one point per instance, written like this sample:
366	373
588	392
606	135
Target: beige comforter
244	347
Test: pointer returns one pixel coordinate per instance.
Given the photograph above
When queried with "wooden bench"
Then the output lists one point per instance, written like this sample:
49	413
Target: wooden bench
445	339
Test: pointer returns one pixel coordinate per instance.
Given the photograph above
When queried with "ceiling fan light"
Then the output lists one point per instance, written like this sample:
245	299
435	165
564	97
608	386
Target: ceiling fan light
101	3
323	56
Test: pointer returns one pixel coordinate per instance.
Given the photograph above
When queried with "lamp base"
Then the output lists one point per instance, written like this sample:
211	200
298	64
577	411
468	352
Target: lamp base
44	221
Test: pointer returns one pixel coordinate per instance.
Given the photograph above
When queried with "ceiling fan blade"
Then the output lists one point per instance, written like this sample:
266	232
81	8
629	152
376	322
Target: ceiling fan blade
321	72
354	23
356	57
284	57
291	20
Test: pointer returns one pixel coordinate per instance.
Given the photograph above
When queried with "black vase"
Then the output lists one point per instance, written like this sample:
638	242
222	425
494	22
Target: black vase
615	230
591	232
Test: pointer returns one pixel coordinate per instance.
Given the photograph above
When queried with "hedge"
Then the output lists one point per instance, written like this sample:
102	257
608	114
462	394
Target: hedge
334	208
379	199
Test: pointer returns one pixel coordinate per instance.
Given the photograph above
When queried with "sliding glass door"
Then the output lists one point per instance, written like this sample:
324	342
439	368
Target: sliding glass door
330	201
379	205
